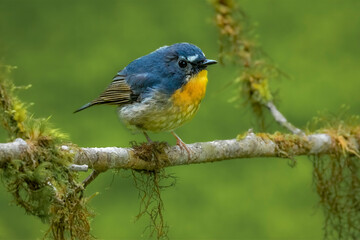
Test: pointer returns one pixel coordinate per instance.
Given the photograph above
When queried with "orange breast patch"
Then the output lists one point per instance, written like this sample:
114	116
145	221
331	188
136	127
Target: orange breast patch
192	92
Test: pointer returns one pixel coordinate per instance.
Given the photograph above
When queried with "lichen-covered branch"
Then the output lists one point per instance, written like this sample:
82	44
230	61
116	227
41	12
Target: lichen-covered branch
143	157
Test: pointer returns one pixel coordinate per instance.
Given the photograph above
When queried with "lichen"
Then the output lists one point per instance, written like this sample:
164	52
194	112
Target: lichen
287	144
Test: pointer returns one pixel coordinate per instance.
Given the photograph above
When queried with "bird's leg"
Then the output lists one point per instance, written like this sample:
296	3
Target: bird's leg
181	144
147	137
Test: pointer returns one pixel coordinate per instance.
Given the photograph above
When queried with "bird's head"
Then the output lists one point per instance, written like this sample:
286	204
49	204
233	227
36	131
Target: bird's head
170	67
181	62
185	59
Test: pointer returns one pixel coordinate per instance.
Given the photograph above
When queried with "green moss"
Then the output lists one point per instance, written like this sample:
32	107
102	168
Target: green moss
13	112
41	182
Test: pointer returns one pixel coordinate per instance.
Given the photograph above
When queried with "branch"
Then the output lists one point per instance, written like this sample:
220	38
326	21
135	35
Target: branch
141	158
12	150
279	118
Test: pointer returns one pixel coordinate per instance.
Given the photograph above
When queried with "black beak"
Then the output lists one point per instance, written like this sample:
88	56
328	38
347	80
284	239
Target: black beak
208	62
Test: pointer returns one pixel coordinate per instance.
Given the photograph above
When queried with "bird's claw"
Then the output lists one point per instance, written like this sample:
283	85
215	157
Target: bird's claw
182	145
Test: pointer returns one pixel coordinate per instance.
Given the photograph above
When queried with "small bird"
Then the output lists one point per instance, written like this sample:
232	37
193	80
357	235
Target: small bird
160	91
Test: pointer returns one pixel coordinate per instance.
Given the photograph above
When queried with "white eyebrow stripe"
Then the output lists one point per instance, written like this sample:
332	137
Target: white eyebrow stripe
192	58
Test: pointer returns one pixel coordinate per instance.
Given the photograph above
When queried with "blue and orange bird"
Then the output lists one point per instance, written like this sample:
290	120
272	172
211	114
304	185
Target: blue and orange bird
160	91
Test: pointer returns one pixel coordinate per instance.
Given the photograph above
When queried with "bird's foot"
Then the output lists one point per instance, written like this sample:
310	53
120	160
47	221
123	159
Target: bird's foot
182	145
148	138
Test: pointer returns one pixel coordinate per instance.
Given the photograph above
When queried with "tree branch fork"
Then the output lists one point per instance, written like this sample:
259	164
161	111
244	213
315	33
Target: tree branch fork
158	155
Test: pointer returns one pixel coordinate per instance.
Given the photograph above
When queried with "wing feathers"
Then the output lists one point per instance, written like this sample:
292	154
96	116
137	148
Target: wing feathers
117	93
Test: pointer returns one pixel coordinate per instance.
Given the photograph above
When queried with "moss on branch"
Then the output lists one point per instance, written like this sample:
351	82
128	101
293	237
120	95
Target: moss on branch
41	181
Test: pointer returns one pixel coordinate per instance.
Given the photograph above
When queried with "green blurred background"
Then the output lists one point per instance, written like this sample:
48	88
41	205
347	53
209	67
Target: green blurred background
70	50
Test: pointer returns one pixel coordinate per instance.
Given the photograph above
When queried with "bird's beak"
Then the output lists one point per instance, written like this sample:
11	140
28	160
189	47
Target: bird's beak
208	62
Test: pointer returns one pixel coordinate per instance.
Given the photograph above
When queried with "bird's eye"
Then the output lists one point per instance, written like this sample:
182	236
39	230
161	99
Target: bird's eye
182	63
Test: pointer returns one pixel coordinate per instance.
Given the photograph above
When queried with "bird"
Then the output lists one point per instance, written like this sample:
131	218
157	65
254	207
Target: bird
160	91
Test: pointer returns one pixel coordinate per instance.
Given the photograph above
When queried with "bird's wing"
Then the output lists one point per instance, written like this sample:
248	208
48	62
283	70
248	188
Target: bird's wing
117	93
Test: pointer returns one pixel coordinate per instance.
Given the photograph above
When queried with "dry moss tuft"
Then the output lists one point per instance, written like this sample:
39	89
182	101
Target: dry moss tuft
337	176
150	184
151	152
71	218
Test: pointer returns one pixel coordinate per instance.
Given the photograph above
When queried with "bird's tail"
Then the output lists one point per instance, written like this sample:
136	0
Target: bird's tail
84	107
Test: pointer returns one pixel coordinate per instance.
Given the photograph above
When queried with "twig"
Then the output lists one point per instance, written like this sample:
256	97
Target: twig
90	178
279	118
79	168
